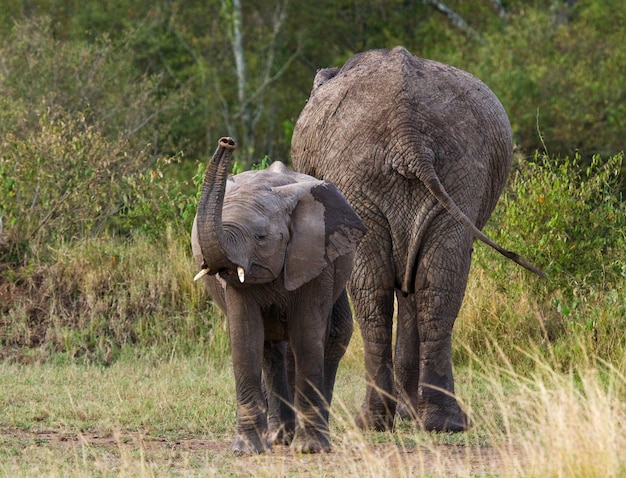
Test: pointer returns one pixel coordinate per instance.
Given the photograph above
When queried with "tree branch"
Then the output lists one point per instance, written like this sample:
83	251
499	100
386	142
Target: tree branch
497	5
454	17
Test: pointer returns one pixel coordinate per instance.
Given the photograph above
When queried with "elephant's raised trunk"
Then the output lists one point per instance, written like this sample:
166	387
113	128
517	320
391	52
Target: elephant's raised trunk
209	214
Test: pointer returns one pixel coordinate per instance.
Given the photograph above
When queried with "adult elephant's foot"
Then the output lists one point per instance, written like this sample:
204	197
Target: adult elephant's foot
250	444
437	418
377	420
310	441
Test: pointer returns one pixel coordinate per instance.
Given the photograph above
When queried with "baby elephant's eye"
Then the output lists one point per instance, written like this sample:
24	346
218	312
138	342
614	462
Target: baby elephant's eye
260	237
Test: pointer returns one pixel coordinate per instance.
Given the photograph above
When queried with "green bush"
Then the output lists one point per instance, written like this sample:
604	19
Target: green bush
62	180
75	156
95	296
569	219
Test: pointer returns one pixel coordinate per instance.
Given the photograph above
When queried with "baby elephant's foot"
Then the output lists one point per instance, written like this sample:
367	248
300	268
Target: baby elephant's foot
310	441
250	444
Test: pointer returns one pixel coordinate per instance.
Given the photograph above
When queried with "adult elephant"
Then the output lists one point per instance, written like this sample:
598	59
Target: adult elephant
275	249
422	151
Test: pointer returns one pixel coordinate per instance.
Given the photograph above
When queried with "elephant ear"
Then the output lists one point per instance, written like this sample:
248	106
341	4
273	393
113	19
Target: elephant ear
323	227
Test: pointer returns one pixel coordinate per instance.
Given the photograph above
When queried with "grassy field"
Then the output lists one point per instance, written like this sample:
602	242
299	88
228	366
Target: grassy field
114	363
156	413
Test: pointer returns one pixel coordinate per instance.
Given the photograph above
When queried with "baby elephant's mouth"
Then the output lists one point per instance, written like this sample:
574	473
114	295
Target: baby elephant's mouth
255	275
227	273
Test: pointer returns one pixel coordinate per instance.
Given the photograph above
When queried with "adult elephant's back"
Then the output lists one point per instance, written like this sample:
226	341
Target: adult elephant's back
387	112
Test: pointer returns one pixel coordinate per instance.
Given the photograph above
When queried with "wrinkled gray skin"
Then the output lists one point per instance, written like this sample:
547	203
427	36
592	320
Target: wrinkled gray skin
421	150
277	248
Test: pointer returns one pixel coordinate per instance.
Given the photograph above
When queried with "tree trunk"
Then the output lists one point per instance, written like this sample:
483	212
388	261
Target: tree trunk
454	17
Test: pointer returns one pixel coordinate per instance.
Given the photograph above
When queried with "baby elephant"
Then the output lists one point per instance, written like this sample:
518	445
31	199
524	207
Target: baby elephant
275	249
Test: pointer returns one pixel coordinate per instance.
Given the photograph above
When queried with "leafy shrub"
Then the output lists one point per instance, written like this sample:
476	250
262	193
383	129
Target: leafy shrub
86	260
75	156
569	219
571	215
95	296
63	180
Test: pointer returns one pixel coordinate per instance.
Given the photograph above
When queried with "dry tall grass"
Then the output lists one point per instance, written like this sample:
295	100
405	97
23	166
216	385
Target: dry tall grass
96	295
164	414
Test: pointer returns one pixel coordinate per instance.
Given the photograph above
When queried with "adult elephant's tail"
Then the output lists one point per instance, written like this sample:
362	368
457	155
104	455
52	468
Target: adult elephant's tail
427	175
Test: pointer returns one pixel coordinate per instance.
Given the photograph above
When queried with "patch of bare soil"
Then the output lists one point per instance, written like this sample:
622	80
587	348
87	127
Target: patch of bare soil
434	460
112	440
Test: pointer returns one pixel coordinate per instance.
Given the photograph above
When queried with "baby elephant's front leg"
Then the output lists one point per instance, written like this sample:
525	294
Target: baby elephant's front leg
308	341
246	336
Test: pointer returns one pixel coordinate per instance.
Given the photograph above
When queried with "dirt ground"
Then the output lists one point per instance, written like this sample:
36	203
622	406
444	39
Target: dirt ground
389	458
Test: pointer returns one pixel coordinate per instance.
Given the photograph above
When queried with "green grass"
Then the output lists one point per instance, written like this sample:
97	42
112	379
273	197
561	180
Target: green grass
158	413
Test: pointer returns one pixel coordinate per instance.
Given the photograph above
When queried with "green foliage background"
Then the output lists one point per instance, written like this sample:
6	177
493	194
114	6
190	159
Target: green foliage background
110	109
555	65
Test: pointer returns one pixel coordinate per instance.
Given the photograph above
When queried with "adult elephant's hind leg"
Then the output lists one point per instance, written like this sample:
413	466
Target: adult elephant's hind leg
372	291
440	286
406	359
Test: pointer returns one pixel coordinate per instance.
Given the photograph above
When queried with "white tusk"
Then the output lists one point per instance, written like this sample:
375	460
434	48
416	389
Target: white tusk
201	274
241	273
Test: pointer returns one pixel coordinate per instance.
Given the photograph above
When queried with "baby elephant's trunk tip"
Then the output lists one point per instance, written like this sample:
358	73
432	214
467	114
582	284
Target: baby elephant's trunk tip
227	142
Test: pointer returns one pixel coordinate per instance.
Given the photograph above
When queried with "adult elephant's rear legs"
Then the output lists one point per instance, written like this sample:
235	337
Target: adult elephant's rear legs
406	358
440	285
371	289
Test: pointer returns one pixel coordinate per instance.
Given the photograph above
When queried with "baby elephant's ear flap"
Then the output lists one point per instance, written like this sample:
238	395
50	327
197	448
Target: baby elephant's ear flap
323	227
